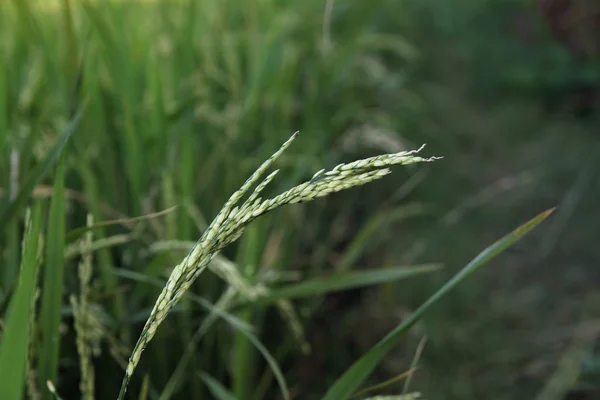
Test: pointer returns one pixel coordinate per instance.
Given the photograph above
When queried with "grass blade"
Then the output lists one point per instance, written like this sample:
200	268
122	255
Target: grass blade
215	387
15	338
145	388
344	281
355	375
271	361
52	294
395	379
244	355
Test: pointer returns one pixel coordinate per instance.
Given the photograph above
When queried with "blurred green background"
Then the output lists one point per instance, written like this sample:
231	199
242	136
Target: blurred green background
182	100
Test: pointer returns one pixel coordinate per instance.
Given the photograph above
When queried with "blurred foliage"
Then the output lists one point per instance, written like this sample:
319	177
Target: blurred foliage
181	100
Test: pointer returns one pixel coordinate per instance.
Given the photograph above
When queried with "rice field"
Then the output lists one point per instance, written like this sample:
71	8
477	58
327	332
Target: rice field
125	129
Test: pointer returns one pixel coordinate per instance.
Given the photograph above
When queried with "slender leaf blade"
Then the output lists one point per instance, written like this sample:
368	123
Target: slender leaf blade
345	281
145	388
52	294
216	388
271	361
15	339
361	369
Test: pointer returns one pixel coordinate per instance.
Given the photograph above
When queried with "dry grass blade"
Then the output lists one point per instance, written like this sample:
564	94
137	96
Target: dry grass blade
415	361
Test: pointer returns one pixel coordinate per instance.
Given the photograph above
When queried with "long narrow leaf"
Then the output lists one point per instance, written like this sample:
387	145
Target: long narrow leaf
270	360
15	338
361	369
344	281
216	388
52	294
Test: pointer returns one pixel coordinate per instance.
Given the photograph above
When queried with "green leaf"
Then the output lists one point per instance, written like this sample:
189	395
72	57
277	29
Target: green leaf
52	294
344	281
361	369
145	388
215	387
15	339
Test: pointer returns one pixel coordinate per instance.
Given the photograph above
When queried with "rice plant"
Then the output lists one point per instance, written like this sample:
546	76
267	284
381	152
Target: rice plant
144	117
231	221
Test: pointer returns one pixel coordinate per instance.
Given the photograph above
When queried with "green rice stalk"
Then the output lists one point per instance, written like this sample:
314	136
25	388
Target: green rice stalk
16	326
230	222
81	314
31	374
53	285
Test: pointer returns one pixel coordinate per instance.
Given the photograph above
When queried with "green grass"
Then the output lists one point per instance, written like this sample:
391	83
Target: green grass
224	230
14	347
117	110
